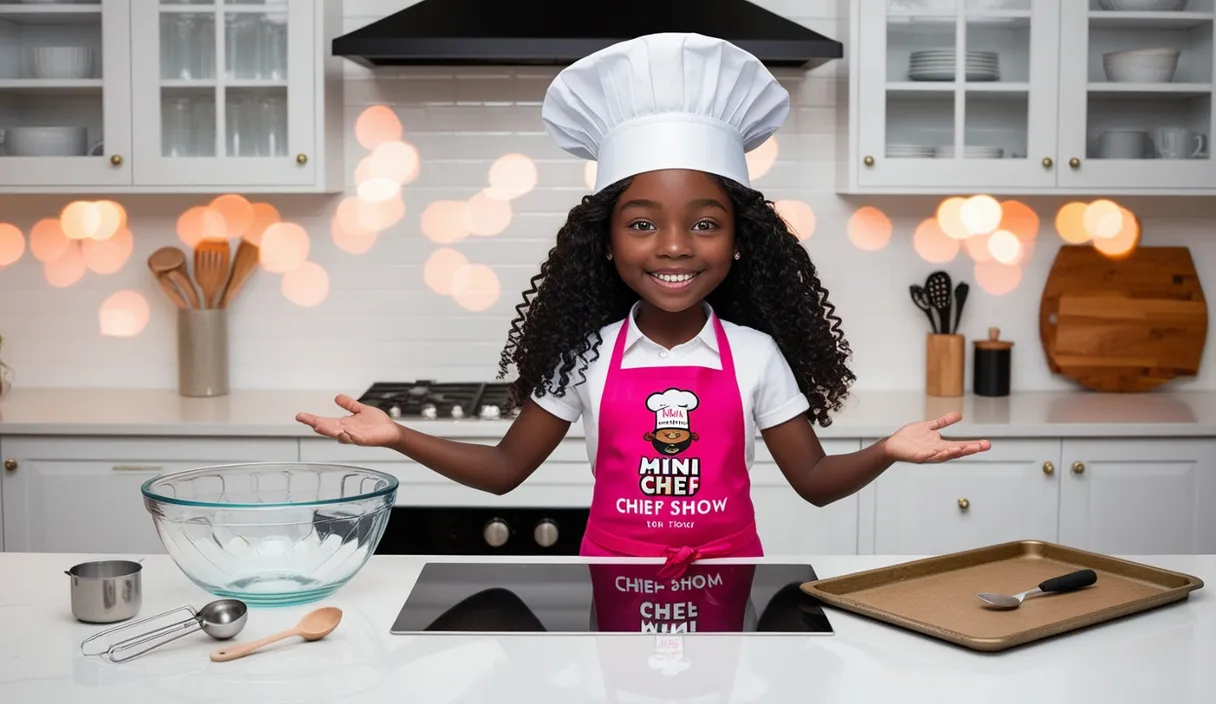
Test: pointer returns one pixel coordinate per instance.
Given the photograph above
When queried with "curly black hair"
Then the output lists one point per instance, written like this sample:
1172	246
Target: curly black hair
772	288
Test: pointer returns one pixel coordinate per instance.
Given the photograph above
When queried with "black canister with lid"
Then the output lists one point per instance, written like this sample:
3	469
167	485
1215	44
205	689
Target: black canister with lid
992	365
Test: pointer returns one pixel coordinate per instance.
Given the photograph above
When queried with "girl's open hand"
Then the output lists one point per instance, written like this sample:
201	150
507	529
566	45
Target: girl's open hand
366	425
921	443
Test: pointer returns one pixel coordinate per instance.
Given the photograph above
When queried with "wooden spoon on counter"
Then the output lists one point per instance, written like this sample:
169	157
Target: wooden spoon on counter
211	269
169	266
243	265
314	626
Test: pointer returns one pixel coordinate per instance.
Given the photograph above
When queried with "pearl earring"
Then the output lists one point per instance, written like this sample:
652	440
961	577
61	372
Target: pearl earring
736	256
610	256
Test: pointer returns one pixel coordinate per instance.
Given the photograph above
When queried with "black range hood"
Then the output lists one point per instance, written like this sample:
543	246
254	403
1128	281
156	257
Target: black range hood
559	32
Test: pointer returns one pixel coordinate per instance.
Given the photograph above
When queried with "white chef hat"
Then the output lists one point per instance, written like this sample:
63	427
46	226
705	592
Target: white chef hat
665	101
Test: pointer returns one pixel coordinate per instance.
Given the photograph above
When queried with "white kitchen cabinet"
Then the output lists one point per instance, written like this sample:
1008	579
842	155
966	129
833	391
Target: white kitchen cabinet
788	525
1050	121
1139	495
81	494
1009	492
188	97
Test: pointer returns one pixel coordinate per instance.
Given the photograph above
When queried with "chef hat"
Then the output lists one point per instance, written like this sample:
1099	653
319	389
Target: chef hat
671	408
665	101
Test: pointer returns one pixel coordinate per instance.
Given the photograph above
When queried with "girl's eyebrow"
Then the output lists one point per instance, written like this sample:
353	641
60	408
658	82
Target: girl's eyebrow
692	205
641	203
706	203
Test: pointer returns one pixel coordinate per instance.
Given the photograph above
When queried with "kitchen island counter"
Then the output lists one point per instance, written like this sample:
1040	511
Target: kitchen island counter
1164	654
867	414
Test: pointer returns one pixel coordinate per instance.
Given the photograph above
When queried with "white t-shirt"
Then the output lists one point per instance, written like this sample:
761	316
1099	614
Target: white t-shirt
767	385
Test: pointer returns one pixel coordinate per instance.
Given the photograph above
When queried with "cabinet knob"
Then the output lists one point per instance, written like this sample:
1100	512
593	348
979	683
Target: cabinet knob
868	161
10	465
964	504
1047	162
1078	467
496	533
1074	163
1049	468
301	159
116	160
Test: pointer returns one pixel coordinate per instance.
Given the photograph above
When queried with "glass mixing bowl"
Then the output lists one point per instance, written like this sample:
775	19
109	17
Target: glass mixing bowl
271	534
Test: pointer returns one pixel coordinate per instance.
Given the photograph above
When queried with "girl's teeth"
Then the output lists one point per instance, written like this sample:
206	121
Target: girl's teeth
674	278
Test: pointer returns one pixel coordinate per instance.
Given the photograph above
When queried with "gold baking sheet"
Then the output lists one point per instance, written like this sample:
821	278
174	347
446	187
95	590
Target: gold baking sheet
936	596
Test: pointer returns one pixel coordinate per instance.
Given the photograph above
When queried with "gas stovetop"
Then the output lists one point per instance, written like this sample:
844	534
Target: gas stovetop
611	597
434	400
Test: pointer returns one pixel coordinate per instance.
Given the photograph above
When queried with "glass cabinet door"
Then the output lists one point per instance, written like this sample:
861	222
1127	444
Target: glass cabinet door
958	94
226	99
1136	92
65	87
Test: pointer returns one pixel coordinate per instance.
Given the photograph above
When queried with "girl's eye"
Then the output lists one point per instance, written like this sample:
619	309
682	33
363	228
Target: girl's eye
705	225
640	224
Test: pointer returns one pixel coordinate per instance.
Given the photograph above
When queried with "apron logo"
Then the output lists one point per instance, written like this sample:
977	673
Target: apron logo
669	474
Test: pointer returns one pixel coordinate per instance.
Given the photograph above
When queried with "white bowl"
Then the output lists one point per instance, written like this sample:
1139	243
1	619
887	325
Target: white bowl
60	62
1142	5
45	141
1141	65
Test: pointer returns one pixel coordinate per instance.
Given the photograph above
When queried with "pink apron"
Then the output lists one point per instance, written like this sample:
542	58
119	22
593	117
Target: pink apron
671	475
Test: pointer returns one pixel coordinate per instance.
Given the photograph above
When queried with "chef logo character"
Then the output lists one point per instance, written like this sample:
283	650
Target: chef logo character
672	432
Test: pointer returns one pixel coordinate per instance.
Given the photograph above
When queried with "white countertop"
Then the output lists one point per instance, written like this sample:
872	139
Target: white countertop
1164	654
867	414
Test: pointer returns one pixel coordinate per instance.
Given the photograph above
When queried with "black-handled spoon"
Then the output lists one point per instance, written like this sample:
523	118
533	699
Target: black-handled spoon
1064	583
922	301
960	298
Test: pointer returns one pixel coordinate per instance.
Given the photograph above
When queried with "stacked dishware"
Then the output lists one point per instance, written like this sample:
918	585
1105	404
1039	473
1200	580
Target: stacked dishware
970	151
909	151
939	65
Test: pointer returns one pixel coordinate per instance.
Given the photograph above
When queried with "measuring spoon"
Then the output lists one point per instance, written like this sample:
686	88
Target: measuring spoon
314	626
1064	583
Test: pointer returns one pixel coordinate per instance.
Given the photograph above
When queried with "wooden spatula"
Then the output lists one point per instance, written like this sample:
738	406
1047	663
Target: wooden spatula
170	262
243	264
211	269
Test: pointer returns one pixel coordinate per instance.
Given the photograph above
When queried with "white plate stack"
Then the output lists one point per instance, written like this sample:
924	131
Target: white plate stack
971	151
938	65
909	151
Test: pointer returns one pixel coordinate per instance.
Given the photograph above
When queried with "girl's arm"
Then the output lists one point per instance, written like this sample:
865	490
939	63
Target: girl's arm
532	437
821	478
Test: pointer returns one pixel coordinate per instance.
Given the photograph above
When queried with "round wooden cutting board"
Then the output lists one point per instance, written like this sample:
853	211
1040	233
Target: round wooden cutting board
1123	325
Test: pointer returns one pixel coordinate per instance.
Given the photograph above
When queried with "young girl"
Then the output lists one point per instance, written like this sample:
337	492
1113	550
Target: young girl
676	315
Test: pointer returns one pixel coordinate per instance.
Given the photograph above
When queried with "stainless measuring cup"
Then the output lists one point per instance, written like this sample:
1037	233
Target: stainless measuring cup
106	591
221	619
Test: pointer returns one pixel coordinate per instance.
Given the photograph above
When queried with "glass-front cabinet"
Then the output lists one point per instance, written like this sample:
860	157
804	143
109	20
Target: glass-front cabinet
217	101
955	94
65	93
1136	95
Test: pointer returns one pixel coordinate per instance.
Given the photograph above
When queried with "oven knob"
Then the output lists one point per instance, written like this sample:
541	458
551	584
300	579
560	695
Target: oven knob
394	412
496	533
545	533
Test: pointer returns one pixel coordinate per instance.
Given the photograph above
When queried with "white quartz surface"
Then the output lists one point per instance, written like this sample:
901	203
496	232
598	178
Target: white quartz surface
1165	654
867	414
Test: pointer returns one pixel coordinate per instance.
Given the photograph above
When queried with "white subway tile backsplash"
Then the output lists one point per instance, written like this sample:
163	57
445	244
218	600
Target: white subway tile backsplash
381	322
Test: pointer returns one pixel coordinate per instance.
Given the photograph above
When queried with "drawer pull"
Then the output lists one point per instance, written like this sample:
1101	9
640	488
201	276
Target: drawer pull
136	468
964	504
10	465
1078	468
1049	468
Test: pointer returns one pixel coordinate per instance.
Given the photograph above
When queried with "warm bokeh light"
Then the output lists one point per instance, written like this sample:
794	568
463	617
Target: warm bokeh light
475	287
108	256
1124	241
394	160
486	216
1005	247
307	285
445	221
950	219
1102	219
511	176
264	215
201	223
284	247
1070	223
798	216
377	190
12	244
112	211
589	172
1023	222
238	214
66	269
977	248
441	268
996	278
376	125
980	215
761	159
352	240
47	241
91	220
933	245
869	228
123	314
379	216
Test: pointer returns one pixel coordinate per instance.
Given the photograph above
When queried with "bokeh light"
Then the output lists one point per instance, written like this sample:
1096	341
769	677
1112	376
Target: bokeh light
996	278
348	235
306	285
511	176
976	247
1005	247
445	221
1124	242
201	223
440	269
869	228
12	244
91	220
475	287
264	215
237	212
394	160
1102	219
949	217
284	247
485	215
66	269
980	214
1070	223
47	241
798	216
932	244
123	314
761	159
110	255
376	125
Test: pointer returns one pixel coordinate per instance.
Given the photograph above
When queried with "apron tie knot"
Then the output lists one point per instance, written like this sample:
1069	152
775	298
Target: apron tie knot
678	560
